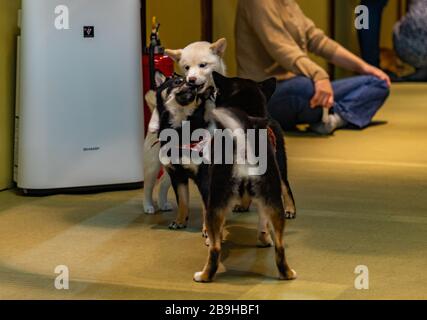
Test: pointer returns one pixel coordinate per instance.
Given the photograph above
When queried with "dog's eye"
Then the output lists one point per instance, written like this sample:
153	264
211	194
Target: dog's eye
178	81
203	65
187	68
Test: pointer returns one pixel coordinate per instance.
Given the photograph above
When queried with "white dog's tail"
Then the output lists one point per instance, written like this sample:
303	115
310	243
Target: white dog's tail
150	98
226	118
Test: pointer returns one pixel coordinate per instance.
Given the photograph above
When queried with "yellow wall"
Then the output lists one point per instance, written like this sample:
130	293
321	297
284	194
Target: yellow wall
8	32
180	21
318	11
224	13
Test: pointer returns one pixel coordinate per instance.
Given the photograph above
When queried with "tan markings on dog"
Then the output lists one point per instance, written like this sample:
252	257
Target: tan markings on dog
178	112
244	203
215	224
278	221
287	200
222	233
204	229
264	236
183	200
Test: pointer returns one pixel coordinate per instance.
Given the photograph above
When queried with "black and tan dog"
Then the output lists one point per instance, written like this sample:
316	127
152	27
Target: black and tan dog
232	92
177	102
241	105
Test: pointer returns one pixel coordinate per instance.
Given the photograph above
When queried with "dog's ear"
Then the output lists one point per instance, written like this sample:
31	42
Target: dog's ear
219	47
174	54
159	78
268	87
259	123
219	80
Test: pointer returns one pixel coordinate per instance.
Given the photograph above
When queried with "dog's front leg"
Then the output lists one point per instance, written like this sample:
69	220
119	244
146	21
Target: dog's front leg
288	201
151	170
165	183
264	236
214	220
202	185
183	198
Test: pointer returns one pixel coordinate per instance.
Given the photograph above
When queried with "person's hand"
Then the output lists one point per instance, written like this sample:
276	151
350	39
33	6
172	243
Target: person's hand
323	95
373	71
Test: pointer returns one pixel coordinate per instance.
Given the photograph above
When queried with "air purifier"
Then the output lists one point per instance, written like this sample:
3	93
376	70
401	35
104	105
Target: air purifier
79	115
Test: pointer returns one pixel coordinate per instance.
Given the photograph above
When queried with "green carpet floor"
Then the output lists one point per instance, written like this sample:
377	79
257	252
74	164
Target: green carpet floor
361	198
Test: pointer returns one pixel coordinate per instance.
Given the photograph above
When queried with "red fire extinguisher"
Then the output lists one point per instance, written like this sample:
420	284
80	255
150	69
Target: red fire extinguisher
154	59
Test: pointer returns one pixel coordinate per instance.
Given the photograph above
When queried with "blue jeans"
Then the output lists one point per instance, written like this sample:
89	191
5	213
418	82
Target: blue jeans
357	99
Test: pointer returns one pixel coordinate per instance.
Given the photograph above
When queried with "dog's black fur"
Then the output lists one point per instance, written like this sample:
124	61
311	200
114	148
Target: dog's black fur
244	102
237	92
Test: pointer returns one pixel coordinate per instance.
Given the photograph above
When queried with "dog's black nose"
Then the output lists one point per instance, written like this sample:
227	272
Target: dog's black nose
192	80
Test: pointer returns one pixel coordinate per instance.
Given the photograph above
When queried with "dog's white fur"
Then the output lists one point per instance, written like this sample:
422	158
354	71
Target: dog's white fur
197	61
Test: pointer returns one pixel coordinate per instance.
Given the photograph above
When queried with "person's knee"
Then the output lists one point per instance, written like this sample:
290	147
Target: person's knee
300	86
379	84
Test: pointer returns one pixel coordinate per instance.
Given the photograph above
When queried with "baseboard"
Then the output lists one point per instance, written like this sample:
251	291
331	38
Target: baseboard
81	190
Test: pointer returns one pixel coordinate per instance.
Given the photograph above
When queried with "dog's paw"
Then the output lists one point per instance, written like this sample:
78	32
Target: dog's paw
177	226
201	277
290	215
205	233
149	209
165	207
207	242
239	208
264	240
290	275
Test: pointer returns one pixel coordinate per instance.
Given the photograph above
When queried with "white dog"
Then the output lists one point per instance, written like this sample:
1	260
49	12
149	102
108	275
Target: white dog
197	61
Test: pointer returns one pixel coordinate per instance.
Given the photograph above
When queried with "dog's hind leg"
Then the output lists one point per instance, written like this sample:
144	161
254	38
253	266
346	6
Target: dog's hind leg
151	170
215	221
264	236
288	201
203	187
278	221
165	183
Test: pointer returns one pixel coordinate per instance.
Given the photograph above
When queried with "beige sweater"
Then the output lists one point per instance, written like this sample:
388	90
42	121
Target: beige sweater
273	38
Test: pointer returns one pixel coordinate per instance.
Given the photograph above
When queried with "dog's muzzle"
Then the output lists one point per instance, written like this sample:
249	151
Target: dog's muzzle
186	95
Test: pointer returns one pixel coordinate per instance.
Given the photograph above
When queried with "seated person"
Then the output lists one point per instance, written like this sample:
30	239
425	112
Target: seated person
410	40
273	38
